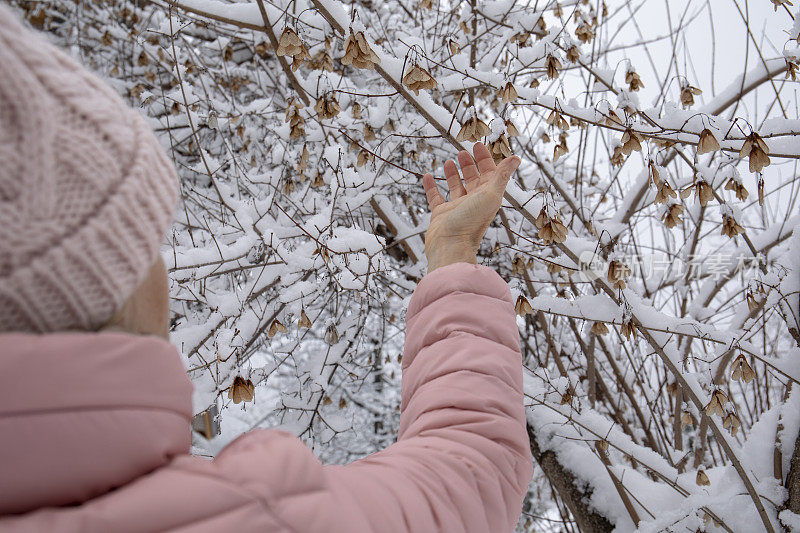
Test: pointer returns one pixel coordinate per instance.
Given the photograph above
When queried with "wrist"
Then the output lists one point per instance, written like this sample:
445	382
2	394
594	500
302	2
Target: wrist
443	255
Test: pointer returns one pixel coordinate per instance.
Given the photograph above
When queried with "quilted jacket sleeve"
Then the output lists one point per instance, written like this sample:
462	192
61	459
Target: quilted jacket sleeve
462	461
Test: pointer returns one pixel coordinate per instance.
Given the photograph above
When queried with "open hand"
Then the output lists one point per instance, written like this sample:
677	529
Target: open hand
457	226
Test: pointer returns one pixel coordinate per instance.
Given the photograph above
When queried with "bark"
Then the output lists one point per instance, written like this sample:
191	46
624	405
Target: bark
571	494
793	480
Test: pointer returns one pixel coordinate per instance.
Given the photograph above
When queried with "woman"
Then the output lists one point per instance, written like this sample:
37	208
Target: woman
95	404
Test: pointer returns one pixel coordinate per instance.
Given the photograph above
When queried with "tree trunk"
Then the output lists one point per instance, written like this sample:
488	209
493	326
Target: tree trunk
564	482
793	480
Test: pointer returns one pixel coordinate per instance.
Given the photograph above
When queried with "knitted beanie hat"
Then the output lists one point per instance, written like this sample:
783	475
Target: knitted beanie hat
86	192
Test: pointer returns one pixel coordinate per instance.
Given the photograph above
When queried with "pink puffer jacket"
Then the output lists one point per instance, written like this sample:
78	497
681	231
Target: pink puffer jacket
94	435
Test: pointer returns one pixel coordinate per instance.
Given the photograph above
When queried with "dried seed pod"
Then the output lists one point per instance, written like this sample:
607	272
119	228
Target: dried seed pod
584	32
602	446
290	45
617	158
672	216
523	306
573	54
779	3
304	320
599	328
262	48
454	47
560	149
553	268
555	119
702	478
612	119
541	219
331	335
508	93
742	371
791	69
473	130
633	80
322	60
703	192
631	140
566	398
358	53
553	66
500	149
418	78
364	157
304	158
688	92
732	423
369	133
521	38
717	403
707	142
242	390
276	326
617	274
518	265
730	228
297	129
511	129
752	303
757	151
627	329
553	231
327	107
540	28
737	188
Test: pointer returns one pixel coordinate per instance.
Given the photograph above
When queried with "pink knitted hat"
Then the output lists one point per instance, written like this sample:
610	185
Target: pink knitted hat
86	192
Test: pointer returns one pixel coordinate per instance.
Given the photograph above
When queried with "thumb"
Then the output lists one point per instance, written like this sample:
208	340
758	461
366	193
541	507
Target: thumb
504	170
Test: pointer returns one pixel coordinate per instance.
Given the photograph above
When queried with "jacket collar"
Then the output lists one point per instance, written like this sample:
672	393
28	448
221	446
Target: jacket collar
83	413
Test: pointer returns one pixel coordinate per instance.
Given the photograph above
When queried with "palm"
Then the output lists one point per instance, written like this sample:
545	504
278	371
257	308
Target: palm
473	202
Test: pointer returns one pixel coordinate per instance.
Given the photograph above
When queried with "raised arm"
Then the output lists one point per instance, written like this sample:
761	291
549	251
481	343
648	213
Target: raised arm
462	461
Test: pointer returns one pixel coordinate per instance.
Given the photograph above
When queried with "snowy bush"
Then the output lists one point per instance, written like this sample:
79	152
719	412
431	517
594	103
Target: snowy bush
650	237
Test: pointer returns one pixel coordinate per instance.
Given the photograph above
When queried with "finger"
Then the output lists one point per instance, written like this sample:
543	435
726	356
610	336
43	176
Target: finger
432	191
483	158
504	170
453	180
468	170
